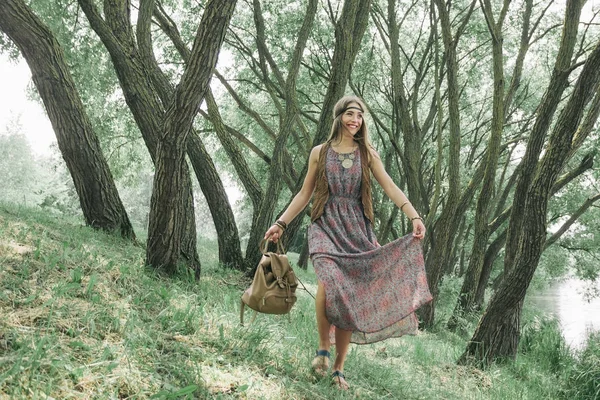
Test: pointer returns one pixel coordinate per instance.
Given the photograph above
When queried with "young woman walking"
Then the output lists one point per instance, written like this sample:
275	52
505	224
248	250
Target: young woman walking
366	292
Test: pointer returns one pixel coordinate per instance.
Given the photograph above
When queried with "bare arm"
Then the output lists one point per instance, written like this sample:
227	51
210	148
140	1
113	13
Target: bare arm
301	199
395	194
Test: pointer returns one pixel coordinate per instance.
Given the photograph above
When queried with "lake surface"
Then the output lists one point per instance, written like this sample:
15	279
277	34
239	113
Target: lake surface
566	301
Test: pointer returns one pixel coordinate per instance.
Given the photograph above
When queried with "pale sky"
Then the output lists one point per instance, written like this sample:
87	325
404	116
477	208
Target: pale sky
14	79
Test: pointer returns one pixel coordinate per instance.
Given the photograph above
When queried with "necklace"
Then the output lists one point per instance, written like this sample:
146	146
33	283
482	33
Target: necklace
346	159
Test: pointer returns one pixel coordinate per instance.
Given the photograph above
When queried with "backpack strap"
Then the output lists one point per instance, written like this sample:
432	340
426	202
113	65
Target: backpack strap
242	314
304	287
264	247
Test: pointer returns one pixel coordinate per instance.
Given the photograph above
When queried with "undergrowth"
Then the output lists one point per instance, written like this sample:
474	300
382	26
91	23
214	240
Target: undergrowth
82	318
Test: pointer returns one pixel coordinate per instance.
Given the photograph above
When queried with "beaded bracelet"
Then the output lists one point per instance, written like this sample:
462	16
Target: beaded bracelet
417	217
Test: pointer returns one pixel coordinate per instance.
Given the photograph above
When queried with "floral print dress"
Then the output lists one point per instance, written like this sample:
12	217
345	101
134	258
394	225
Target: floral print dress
370	289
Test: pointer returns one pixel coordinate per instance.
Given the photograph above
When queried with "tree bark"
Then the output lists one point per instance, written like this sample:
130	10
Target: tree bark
212	187
210	183
78	144
527	166
494	248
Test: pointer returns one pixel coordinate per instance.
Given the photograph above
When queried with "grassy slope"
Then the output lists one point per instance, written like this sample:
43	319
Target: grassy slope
80	317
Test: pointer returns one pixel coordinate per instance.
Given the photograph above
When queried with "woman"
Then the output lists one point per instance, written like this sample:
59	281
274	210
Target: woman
366	292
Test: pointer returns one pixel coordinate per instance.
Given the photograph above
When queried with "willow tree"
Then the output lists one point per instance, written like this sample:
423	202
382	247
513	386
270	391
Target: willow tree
154	107
77	141
497	334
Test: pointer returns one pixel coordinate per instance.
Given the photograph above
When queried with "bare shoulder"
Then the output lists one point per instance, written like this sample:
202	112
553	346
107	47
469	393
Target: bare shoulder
317	148
374	153
316	152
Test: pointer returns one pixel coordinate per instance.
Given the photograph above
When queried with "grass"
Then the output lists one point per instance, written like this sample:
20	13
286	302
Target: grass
82	318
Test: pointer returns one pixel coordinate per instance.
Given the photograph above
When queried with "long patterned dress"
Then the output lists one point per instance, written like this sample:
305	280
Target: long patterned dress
370	289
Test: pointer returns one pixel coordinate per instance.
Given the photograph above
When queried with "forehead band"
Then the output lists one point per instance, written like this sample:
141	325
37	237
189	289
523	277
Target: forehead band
348	108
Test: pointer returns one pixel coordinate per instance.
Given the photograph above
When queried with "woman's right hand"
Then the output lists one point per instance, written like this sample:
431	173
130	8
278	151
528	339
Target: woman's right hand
274	233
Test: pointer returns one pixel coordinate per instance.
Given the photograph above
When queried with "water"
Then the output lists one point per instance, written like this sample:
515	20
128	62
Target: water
566	301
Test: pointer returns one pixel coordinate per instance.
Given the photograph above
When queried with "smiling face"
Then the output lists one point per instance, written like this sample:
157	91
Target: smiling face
352	119
348	121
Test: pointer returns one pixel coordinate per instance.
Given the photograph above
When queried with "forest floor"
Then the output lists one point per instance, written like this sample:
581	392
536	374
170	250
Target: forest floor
82	318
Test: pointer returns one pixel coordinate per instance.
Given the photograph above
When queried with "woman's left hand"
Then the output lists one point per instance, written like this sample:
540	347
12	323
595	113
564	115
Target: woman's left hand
418	229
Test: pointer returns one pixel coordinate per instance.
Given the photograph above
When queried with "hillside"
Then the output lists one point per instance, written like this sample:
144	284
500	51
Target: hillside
82	318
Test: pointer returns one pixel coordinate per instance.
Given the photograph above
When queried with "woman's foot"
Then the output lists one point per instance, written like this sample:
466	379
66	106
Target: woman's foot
320	363
340	380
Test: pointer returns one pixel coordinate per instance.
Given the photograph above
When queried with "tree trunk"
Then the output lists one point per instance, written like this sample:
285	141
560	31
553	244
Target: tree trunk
497	334
230	251
402	117
263	216
303	258
558	83
141	98
488	263
212	187
167	218
446	225
466	296
79	146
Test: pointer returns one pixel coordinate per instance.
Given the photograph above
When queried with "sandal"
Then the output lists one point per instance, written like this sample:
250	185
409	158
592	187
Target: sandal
340	380
320	363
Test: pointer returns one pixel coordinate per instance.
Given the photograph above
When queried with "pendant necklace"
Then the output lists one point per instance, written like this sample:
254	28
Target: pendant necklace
346	159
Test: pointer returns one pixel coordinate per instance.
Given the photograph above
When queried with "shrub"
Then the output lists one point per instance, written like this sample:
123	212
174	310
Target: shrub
582	380
542	340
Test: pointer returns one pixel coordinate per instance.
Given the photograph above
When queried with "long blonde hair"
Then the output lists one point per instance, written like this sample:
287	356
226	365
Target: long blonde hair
362	136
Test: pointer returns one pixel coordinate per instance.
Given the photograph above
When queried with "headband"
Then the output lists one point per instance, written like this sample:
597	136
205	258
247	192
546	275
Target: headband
348	108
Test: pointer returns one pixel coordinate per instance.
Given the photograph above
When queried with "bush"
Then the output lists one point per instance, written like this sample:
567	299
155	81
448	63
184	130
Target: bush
582	379
542	340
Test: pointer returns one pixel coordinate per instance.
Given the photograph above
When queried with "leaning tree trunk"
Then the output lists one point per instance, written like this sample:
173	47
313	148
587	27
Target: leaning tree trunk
166	224
79	146
132	72
494	248
558	83
497	335
212	187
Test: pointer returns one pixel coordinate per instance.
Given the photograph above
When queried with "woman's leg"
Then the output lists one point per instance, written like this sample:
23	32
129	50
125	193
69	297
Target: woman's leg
342	342
320	363
322	323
